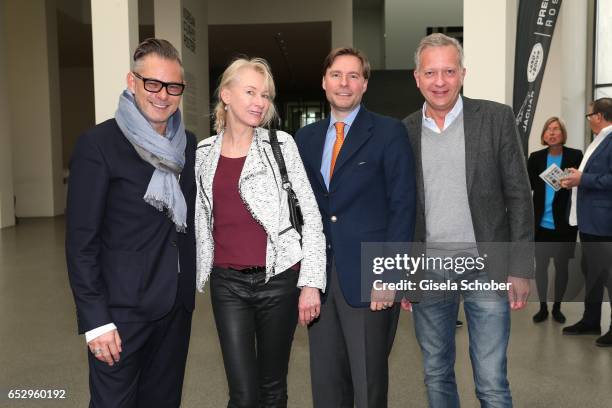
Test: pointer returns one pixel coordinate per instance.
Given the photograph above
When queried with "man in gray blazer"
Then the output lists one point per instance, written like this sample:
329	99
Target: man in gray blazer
472	191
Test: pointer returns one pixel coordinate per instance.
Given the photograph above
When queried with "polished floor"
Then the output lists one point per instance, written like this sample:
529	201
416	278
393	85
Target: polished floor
39	347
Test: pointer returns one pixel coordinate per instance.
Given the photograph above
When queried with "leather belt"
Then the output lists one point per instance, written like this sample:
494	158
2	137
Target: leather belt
250	270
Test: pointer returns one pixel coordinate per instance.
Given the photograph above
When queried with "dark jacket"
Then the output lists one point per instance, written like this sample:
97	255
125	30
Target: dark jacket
562	200
594	203
122	253
371	195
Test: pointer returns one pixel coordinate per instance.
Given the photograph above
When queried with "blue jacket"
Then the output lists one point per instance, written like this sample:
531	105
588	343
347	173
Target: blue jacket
594	204
371	196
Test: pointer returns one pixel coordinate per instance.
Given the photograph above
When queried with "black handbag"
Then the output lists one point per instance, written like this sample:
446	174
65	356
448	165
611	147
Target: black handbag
295	212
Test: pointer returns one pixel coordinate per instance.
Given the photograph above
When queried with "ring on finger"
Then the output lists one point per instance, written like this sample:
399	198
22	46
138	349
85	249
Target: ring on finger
97	352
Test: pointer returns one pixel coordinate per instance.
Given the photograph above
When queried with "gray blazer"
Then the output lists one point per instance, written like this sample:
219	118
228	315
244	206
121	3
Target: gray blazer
497	183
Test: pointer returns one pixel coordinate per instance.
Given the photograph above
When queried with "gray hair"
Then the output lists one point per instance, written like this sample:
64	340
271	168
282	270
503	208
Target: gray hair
156	46
437	40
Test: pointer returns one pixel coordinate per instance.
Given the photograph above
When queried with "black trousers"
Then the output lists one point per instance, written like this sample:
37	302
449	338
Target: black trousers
151	368
256	322
597	262
349	351
555	247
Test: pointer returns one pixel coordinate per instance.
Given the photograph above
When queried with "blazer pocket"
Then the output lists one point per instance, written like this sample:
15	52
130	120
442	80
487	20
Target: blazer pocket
602	203
123	272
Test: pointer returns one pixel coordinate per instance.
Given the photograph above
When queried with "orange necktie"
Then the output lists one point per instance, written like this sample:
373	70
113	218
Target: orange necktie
337	146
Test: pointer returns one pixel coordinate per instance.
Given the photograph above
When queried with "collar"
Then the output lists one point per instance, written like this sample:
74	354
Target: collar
348	120
450	116
604	132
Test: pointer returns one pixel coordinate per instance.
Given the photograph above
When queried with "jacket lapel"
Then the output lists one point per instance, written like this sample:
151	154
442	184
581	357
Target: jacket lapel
415	125
357	135
602	147
316	143
209	165
472	122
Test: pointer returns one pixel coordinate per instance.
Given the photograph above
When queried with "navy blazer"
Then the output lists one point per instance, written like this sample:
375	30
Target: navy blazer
561	201
122	253
371	195
594	205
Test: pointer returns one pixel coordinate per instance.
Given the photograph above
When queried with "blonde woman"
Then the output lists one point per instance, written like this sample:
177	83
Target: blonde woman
551	215
264	275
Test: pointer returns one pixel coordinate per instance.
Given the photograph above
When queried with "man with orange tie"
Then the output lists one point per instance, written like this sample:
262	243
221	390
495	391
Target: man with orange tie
361	169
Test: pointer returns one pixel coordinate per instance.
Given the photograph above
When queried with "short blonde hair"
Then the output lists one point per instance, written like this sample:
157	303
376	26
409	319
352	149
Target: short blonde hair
550	121
230	74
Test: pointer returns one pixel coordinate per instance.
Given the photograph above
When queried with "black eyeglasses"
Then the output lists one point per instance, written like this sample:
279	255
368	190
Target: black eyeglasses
588	115
155	86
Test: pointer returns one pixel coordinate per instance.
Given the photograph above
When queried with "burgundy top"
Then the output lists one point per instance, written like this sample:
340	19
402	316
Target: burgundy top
240	241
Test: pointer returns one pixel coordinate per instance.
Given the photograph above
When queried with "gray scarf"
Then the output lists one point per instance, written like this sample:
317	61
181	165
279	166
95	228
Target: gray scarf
166	154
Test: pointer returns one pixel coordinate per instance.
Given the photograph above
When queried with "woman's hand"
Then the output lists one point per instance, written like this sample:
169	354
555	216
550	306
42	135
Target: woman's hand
309	305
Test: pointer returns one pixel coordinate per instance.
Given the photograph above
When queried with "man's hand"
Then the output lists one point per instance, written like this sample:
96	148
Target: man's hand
518	292
106	347
381	299
572	180
309	305
406	305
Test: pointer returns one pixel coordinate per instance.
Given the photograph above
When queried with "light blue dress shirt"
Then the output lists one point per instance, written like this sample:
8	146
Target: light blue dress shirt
330	139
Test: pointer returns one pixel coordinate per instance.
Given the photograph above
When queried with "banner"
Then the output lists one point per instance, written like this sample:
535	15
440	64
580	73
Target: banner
534	31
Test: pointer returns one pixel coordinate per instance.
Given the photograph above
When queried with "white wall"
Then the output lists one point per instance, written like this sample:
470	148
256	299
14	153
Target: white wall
169	25
7	210
368	34
488	42
406	23
489	57
34	107
339	12
114	33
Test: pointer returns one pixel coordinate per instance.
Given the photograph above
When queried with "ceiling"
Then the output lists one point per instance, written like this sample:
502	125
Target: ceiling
295	51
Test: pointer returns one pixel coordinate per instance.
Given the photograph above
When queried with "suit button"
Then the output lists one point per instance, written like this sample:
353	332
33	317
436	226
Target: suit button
173	243
334	218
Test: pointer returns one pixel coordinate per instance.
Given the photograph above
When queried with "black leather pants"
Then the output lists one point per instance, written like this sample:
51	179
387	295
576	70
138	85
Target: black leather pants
255	322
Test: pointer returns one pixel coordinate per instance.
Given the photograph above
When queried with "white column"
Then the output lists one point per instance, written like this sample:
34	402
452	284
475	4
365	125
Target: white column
114	29
185	24
7	209
33	96
489	30
573	33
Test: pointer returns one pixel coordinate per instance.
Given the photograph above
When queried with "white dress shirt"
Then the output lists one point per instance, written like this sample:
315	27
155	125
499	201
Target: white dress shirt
450	117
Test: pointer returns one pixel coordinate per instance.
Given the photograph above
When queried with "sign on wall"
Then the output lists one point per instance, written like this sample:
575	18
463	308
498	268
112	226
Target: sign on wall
534	31
189	30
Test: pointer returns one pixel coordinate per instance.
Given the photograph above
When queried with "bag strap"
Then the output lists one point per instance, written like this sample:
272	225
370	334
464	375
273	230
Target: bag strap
278	156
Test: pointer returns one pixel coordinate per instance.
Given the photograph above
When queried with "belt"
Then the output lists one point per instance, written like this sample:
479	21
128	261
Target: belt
250	270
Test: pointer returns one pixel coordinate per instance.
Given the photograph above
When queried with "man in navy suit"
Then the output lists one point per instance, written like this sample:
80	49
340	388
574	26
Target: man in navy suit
591	210
130	244
360	167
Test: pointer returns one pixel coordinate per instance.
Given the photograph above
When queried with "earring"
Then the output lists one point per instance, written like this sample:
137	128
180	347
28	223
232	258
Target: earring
225	108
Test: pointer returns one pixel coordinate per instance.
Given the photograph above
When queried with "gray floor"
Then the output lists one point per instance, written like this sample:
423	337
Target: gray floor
39	348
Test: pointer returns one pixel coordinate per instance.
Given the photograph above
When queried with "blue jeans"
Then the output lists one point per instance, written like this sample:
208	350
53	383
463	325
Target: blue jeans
488	320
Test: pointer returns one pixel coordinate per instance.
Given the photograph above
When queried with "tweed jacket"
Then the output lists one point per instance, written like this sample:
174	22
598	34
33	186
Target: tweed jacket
260	188
499	193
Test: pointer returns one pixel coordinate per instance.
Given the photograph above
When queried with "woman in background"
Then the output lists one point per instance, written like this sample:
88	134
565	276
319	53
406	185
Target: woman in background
551	215
264	275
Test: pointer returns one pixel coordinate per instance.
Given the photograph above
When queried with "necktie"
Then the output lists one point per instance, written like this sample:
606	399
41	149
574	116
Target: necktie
337	146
